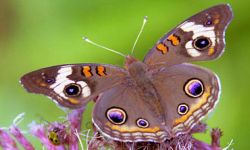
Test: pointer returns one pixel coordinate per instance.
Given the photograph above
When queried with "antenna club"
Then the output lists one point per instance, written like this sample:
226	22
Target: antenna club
84	38
139	34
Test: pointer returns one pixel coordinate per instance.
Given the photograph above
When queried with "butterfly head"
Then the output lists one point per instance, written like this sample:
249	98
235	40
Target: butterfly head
135	67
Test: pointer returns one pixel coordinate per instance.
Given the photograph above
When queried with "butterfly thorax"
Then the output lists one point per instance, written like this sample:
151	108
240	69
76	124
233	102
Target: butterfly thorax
138	72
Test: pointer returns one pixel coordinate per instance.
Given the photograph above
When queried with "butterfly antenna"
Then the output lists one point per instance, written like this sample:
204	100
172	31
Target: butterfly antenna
106	48
145	19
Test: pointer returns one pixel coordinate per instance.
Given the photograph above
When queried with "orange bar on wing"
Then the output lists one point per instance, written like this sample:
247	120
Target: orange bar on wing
161	47
87	71
100	70
174	40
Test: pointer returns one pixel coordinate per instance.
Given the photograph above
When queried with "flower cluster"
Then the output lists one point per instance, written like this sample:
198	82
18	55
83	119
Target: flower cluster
64	136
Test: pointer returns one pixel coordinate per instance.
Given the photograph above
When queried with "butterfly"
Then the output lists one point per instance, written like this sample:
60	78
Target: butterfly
152	100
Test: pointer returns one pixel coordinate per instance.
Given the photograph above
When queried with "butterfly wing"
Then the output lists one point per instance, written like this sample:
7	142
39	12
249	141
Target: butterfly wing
73	85
188	93
122	114
201	37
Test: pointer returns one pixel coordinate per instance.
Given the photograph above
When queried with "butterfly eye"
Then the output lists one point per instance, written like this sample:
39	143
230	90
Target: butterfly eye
201	43
194	88
182	109
72	90
116	115
142	123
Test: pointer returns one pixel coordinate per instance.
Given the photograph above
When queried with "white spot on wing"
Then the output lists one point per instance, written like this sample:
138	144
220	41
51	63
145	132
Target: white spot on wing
189	45
209	34
62	81
186	24
198	31
194	28
193	52
62	75
85	88
190	50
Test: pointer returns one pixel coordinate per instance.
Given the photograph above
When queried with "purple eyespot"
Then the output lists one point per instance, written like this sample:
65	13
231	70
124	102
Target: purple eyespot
182	109
47	79
50	80
194	88
142	123
72	90
201	43
209	22
116	115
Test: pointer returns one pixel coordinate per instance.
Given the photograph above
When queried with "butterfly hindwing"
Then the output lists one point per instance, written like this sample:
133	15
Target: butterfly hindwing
188	93
123	113
73	85
201	37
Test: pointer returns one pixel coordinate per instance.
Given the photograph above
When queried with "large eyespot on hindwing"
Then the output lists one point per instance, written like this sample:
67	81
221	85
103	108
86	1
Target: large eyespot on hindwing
194	88
116	115
182	109
72	90
142	123
201	43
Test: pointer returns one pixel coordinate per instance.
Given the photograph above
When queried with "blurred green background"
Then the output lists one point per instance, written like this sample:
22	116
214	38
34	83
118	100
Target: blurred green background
41	33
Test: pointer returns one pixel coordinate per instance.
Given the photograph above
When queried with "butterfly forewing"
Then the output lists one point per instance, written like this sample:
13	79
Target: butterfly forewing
73	85
201	37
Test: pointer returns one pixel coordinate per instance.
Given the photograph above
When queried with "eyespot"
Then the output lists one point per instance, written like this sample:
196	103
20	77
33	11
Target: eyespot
142	123
194	88
182	109
209	22
116	115
201	43
72	90
47	79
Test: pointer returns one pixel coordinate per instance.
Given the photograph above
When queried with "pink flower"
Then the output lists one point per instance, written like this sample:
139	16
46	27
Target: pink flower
39	131
20	138
68	135
75	119
6	142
